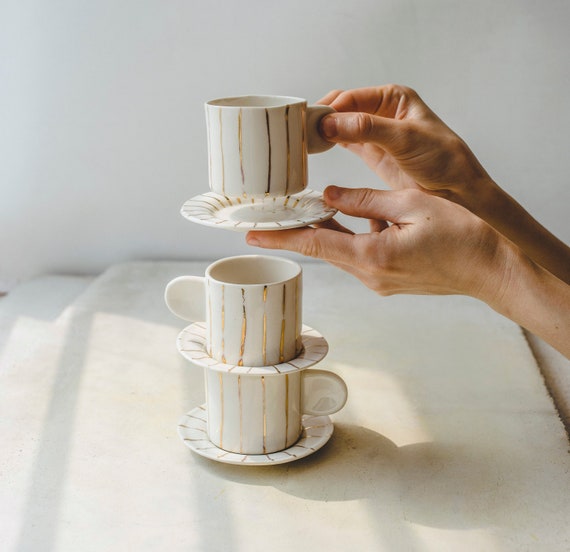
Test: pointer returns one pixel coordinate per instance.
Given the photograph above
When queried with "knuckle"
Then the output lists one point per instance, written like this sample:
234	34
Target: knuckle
377	265
456	147
412	140
364	125
385	291
366	198
310	245
399	90
378	284
414	134
332	97
345	99
373	258
336	92
408	92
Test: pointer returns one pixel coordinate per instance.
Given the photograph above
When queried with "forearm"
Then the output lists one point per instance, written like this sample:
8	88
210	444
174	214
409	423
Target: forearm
533	298
491	203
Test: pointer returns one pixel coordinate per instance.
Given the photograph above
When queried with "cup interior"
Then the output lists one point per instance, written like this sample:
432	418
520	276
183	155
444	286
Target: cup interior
256	101
253	270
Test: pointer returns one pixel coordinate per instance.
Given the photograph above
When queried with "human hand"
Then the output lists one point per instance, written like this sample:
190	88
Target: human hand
408	146
403	141
432	246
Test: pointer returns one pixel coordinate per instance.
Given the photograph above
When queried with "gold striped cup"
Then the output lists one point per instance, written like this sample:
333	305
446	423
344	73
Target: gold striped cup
258	145
261	414
251	305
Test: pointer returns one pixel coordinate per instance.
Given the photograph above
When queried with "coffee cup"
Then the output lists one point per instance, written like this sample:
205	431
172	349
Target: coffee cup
261	414
258	145
251	305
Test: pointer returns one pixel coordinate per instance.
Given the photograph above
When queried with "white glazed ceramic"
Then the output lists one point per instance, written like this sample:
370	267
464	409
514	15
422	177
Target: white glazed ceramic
258	145
266	213
316	431
252	307
191	344
261	414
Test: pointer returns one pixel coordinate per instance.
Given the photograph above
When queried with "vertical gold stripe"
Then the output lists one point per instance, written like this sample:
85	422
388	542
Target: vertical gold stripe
243	329
240	416
264	344
220	379
288	150
264	414
240	141
222	154
269	152
282	343
286	408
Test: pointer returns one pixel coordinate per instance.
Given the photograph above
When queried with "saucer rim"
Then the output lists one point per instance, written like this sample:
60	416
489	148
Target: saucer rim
206	218
308	422
314	344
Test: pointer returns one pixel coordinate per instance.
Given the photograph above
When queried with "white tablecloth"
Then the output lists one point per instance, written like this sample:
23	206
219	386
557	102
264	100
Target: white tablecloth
449	440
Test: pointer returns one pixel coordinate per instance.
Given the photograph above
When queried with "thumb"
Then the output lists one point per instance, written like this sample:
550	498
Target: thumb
353	128
392	206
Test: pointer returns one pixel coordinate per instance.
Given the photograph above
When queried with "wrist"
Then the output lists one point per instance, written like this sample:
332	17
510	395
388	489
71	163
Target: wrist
508	268
481	196
492	271
529	295
495	206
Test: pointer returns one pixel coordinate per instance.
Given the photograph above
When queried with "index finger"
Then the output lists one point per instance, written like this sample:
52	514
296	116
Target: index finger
330	97
385	101
319	243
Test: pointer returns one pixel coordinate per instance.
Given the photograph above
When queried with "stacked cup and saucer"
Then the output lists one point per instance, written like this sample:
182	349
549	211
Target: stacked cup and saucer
264	404
257	150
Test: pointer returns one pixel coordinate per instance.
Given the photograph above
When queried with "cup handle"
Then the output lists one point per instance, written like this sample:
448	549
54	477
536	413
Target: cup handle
316	143
185	297
322	392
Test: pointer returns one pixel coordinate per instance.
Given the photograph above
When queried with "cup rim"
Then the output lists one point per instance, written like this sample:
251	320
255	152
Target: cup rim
240	102
294	266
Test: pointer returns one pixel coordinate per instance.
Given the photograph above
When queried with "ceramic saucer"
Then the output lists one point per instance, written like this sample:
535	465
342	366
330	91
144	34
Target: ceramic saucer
191	344
268	213
192	428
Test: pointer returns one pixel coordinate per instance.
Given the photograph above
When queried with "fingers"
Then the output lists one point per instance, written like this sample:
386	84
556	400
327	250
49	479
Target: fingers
321	243
333	242
332	224
330	97
388	100
377	205
381	115
358	128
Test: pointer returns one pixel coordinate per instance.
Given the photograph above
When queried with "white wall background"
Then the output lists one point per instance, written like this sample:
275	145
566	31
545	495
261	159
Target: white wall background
102	132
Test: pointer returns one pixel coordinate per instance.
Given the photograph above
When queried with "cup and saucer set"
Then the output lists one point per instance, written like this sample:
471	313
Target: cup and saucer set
257	149
265	404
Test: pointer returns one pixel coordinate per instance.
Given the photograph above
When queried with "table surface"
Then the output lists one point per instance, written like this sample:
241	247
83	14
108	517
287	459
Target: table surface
449	440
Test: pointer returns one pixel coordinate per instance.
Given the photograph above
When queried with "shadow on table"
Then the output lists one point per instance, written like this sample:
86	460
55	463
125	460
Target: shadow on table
430	483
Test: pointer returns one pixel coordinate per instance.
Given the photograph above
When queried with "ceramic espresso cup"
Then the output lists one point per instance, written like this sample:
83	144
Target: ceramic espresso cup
261	414
251	305
258	145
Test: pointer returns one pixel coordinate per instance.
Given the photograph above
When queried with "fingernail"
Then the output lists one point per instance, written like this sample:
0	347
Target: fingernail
328	126
252	240
333	192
